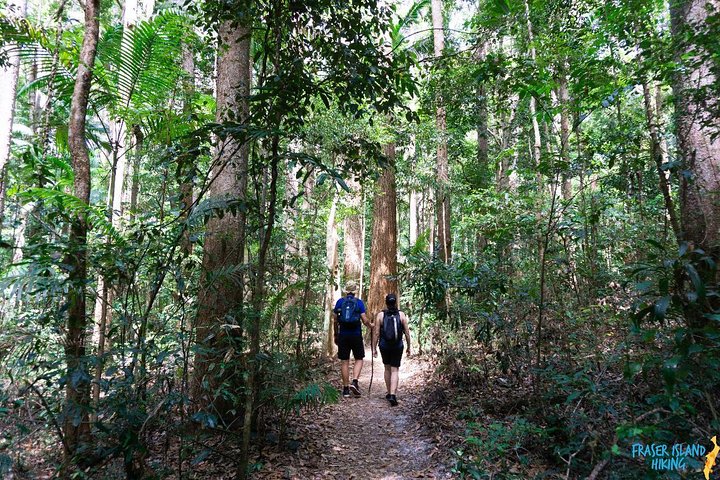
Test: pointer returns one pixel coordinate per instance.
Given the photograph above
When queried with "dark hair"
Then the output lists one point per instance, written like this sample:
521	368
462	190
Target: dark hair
391	301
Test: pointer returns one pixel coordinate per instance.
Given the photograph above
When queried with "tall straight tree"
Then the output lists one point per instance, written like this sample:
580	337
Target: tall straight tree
656	151
76	428
383	251
221	296
698	145
537	142
332	287
9	74
353	253
444	234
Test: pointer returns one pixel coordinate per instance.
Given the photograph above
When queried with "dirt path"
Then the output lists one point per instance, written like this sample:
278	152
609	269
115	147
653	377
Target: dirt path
364	438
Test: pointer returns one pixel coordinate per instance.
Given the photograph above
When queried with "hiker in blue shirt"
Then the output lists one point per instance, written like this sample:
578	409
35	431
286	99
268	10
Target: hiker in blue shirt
349	317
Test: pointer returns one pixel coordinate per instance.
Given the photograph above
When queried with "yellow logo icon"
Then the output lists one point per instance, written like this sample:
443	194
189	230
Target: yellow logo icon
711	457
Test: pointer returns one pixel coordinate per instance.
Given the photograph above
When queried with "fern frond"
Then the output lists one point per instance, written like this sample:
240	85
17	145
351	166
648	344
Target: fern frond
276	301
74	206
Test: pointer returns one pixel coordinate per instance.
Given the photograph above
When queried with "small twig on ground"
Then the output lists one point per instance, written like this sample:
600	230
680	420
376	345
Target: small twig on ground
598	468
569	460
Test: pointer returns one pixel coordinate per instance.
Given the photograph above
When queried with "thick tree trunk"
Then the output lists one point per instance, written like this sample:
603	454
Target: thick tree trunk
8	79
220	299
383	250
697	148
76	428
444	234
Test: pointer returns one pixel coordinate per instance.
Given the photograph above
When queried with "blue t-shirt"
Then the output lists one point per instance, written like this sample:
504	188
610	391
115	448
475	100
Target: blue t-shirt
354	329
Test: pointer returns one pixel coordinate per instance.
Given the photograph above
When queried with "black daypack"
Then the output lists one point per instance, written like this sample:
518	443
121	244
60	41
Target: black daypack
348	311
392	328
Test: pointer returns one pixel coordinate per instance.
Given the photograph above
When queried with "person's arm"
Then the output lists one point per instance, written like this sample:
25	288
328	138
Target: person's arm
365	321
406	327
336	321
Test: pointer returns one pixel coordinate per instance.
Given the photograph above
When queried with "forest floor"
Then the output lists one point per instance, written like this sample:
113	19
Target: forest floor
355	438
365	437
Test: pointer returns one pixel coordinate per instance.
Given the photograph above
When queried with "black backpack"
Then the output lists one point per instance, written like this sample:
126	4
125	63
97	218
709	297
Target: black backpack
348	312
391	330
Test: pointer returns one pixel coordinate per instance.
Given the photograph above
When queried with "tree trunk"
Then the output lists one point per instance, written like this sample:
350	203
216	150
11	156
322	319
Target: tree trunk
186	177
537	142
8	79
76	428
564	100
119	127
258	302
221	296
414	224
353	254
383	250
444	234
135	188
698	150
332	287
413	217
657	156
482	111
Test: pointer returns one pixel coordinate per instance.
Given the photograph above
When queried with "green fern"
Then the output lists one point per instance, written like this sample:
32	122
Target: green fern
73	206
276	301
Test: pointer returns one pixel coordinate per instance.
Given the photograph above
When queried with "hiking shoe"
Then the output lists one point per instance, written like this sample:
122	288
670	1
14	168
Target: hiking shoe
387	396
346	392
355	388
393	401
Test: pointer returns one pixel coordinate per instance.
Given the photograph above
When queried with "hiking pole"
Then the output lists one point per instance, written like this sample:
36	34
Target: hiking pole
372	360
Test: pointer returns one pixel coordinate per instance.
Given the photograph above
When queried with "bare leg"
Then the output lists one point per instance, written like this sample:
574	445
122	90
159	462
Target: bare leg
357	368
345	371
387	378
394	376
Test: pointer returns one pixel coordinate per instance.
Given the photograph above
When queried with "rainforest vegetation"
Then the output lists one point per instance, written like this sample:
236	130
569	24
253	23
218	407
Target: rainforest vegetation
186	187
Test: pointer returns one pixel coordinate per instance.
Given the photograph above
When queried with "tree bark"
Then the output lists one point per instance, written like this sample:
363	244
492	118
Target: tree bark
383	250
76	428
697	149
332	287
353	254
221	297
444	234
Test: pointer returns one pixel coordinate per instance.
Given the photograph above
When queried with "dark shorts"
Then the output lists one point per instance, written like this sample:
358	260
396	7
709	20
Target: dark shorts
392	356
351	342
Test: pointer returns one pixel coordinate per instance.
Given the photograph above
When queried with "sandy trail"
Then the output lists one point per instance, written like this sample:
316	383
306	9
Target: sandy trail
364	438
